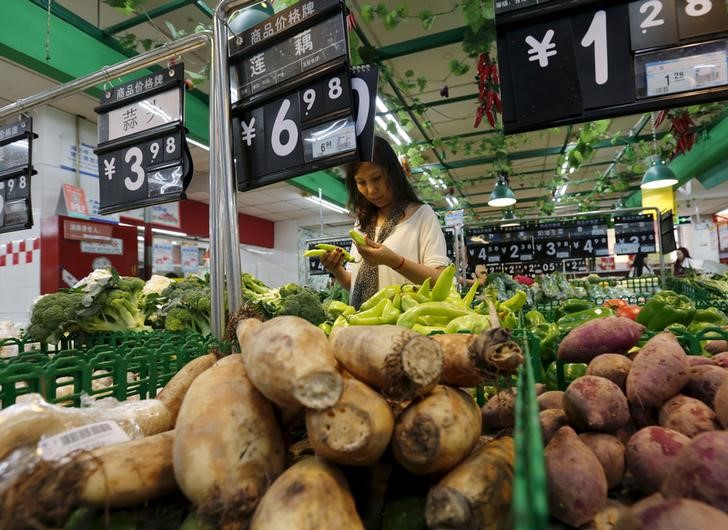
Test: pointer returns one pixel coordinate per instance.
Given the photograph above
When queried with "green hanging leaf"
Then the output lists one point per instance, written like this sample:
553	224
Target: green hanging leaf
367	13
473	16
402	11
421	83
427	18
128	40
392	128
409	73
381	10
457	67
391	20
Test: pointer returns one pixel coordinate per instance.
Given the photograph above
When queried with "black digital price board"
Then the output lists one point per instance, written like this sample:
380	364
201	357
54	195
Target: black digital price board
575	265
634	234
16	170
314	264
143	156
589	64
296	106
551	250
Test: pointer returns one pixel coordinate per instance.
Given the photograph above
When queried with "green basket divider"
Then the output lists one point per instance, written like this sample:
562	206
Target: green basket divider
109	365
529	505
63	372
41	359
19	379
141	365
167	363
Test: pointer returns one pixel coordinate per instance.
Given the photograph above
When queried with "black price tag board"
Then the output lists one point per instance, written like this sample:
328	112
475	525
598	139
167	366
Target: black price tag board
152	171
449	244
542	55
652	23
634	233
143	156
551	250
528	269
547	267
505	6
492	268
696	18
306	44
575	265
589	246
314	264
315	127
16	170
596	59
515	251
601	41
482	255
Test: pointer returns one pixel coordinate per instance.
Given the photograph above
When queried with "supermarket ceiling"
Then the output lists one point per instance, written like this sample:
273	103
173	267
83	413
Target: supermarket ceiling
430	90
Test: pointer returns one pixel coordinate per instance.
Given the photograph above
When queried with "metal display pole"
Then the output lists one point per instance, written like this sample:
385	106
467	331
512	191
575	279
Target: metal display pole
144	60
226	206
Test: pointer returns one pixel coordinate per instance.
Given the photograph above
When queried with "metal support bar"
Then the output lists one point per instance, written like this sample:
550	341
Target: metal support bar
428	104
420	44
145	16
202	6
220	123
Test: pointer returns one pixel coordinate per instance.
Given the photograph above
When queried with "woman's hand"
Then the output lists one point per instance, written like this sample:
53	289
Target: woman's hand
332	260
378	254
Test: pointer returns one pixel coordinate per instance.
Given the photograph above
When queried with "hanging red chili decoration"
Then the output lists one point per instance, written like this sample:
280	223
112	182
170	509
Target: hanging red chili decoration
489	102
682	128
350	22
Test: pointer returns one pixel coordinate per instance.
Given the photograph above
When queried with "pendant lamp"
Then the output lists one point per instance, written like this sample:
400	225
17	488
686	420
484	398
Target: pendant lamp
502	195
658	175
509	218
250	16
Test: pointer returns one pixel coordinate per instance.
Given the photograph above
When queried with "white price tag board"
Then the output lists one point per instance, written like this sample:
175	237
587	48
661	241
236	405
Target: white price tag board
687	73
454	217
139	116
626	248
337	140
86	437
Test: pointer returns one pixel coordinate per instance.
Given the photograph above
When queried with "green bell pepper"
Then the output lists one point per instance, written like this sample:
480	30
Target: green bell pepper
534	318
516	302
547	334
572	305
572	371
326	327
336	308
665	308
711	315
507	318
572	320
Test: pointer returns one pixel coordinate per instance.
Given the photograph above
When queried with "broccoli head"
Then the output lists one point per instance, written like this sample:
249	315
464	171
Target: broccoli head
290	289
304	304
115	306
53	315
186	306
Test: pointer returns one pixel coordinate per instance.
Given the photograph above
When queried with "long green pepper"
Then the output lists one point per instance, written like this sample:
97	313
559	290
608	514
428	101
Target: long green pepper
443	285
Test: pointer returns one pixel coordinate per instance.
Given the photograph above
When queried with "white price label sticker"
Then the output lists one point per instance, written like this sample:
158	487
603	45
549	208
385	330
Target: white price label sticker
626	248
86	438
338	141
687	73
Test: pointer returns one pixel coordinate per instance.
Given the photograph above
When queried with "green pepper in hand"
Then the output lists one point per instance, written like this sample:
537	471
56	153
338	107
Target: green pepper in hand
665	308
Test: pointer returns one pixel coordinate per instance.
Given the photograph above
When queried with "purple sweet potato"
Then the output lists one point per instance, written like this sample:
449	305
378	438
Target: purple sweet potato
721	405
602	335
612	366
551	420
625	432
699	360
610	452
577	485
651	454
673	514
700	471
643	417
704	382
553	399
688	416
659	372
498	412
594	403
607	517
716	346
721	359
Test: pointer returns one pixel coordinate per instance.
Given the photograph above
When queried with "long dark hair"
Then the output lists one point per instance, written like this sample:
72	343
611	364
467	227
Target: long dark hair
638	265
402	191
678	268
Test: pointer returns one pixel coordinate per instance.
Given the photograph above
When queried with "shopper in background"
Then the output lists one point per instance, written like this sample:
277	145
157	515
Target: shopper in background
640	267
684	263
387	209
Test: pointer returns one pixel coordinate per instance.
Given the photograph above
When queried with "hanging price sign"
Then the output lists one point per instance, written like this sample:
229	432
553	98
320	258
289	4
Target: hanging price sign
634	234
16	169
142	153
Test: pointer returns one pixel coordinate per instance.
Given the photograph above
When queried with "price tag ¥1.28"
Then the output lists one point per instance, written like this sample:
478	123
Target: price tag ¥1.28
687	73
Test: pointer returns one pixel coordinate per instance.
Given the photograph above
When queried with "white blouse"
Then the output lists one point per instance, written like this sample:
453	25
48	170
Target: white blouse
418	238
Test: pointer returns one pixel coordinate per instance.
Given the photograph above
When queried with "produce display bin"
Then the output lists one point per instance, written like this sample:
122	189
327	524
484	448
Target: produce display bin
701	297
118	366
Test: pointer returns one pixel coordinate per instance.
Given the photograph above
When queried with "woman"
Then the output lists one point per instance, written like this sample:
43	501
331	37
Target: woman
387	209
639	267
684	263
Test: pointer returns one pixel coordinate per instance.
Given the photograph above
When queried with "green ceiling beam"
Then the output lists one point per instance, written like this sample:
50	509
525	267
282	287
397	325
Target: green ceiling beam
202	6
332	188
489	132
420	44
536	199
699	162
147	15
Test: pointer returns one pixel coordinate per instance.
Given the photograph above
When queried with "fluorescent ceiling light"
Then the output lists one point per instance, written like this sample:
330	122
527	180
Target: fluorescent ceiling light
169	232
381	107
140	238
723	213
381	123
198	144
326	204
